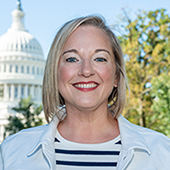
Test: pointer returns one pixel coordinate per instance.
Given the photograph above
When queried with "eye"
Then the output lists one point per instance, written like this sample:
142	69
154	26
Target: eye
71	59
99	59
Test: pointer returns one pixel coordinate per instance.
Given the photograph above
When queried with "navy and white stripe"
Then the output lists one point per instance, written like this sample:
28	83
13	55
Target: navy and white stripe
71	155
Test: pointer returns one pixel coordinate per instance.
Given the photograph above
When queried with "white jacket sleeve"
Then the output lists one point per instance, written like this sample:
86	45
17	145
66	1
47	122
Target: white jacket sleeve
1	160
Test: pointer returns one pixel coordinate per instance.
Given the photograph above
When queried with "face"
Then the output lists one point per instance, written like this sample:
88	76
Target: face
86	70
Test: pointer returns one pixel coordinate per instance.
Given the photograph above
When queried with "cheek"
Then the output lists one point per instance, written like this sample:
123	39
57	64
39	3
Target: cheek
107	74
65	73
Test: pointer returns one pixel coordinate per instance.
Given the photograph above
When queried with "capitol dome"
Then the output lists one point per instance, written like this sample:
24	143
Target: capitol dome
21	67
18	41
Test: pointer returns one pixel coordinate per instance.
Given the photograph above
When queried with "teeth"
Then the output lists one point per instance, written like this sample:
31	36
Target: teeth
86	85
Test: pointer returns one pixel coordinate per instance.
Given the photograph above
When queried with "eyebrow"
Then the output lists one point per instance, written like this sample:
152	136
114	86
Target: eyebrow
75	51
99	50
70	51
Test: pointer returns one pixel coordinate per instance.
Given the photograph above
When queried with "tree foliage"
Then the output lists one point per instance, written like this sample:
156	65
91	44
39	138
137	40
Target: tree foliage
160	92
27	115
146	47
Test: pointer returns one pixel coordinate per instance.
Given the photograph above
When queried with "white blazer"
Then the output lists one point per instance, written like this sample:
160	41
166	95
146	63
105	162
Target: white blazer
33	149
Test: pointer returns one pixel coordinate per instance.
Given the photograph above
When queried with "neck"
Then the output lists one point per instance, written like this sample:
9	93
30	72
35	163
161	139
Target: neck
95	126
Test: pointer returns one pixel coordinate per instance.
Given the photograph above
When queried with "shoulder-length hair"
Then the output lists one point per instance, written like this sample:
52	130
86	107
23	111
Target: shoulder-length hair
52	99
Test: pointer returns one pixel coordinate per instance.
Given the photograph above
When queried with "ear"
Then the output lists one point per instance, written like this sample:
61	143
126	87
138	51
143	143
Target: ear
115	83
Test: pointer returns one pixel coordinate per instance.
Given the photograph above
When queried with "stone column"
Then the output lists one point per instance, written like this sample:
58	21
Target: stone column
19	91
7	68
4	68
6	95
12	91
26	91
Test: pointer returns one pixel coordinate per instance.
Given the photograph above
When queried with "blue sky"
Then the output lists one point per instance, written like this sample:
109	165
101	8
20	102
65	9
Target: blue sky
44	17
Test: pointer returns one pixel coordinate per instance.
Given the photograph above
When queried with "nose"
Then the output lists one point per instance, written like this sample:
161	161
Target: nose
86	69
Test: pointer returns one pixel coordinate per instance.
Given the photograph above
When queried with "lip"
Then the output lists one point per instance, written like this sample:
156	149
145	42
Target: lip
86	83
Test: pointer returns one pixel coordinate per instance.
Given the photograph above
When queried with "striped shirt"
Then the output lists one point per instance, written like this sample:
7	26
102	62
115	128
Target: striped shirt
75	156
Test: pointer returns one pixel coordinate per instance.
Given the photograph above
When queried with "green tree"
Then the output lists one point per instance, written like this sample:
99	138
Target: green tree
160	92
146	47
27	115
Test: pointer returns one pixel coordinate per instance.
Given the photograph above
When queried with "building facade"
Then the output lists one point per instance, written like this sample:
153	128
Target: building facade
21	67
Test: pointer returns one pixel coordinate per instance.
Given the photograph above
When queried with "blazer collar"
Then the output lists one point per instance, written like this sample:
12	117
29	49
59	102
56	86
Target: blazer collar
46	138
131	138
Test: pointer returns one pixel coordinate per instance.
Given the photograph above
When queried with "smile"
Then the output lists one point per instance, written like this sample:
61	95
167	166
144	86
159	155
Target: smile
86	86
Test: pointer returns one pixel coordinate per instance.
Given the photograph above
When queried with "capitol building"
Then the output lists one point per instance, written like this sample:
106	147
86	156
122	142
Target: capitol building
21	67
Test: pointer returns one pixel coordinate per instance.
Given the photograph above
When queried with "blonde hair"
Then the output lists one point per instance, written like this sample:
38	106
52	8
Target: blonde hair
52	100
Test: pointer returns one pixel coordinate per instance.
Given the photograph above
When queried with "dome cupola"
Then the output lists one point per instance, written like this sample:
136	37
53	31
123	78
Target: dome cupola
18	41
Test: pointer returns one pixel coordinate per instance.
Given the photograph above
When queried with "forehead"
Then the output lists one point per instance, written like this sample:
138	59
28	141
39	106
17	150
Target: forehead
88	36
89	29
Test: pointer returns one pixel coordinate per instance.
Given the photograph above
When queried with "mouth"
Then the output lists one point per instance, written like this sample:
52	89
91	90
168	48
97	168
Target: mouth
86	86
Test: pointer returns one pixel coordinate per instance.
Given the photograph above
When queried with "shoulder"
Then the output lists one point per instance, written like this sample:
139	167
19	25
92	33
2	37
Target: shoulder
15	150
27	132
155	141
151	135
26	136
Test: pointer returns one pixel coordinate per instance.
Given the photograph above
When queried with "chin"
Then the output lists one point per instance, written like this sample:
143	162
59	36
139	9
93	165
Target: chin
87	106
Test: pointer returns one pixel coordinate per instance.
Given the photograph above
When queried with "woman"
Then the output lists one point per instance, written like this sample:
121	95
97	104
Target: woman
83	97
